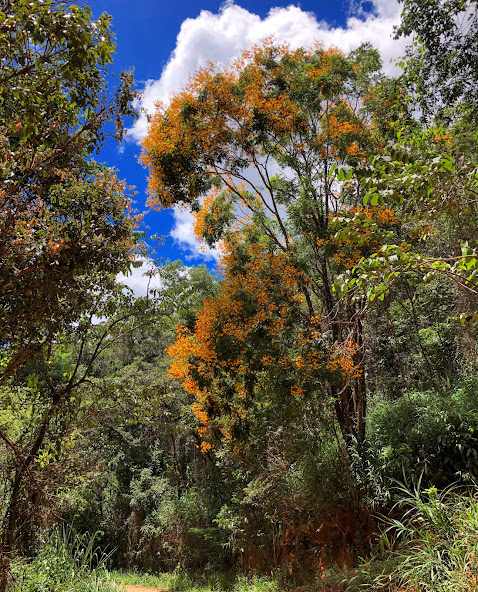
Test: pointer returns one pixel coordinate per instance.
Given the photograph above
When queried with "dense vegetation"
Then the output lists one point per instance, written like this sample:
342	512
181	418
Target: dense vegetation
306	414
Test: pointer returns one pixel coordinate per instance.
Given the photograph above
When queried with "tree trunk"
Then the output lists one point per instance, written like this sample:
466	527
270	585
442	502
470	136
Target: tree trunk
351	399
11	516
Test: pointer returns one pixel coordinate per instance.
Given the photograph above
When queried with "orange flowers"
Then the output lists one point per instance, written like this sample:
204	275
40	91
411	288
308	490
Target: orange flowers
252	150
216	125
342	359
362	238
213	362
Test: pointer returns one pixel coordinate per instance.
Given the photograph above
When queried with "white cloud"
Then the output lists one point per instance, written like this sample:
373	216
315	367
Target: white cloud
138	281
183	234
223	36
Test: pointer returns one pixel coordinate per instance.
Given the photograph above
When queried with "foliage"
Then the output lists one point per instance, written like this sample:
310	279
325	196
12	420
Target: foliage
248	420
250	330
273	137
413	343
162	502
432	547
432	434
431	182
441	62
66	231
67	561
326	197
65	223
144	478
40	412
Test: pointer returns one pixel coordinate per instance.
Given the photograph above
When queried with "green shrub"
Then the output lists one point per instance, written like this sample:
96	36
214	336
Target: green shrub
257	584
426	433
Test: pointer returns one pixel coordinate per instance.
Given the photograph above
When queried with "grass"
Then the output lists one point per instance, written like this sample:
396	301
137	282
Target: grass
67	562
185	582
432	547
71	562
161	581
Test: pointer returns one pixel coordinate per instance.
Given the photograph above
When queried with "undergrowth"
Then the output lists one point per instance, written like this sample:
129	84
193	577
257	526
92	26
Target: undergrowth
431	547
66	562
428	543
183	581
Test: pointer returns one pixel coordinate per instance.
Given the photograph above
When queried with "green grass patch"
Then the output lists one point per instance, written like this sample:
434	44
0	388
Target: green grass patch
187	582
161	581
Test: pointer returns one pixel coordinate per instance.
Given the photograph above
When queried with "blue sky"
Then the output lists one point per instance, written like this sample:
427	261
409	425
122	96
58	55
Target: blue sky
164	41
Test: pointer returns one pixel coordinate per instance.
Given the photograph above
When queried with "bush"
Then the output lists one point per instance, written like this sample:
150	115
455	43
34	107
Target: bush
426	433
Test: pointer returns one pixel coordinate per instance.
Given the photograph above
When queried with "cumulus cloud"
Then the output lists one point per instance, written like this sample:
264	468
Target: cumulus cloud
221	37
183	234
138	281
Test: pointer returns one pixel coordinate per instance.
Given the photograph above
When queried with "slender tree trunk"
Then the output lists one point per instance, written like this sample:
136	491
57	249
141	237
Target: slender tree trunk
11	517
351	399
360	386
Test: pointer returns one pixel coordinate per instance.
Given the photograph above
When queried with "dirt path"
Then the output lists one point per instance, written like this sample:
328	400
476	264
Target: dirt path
128	588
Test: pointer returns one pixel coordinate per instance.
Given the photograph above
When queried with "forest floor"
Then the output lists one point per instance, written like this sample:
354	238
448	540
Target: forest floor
128	588
166	582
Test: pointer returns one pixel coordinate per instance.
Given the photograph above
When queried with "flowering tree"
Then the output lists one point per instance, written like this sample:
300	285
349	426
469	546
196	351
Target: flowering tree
259	151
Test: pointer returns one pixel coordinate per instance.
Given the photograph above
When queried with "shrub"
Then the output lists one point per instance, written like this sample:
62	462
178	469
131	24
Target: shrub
426	433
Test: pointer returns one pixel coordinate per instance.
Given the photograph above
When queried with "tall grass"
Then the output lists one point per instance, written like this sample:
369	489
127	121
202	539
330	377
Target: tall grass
67	561
432	547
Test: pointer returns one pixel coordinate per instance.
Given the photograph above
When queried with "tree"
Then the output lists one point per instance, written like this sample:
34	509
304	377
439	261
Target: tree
442	63
430	179
65	224
428	172
272	137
